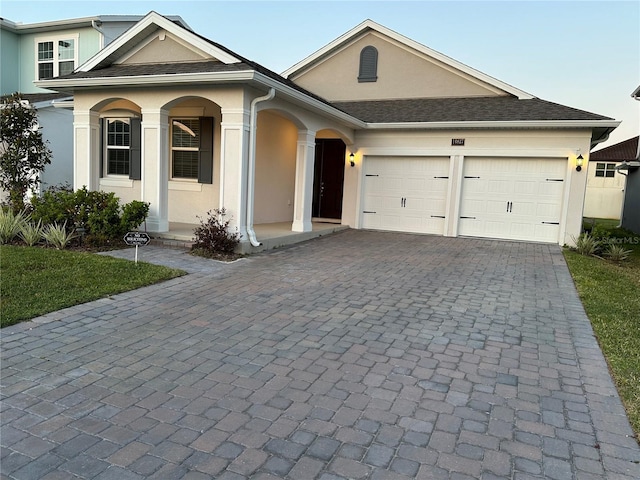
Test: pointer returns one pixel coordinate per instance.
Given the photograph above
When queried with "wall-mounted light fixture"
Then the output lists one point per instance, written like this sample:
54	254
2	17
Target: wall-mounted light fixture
351	159
579	162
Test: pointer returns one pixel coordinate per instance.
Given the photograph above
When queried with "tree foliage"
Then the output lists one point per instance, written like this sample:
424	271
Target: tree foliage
23	152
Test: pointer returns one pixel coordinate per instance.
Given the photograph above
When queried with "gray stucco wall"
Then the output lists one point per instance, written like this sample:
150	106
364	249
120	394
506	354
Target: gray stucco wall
631	213
57	129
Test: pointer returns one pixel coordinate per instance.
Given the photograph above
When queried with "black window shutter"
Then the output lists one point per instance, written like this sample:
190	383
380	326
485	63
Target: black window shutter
368	64
205	155
135	150
103	134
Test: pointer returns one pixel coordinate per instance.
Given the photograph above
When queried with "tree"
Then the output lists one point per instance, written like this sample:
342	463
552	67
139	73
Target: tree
23	152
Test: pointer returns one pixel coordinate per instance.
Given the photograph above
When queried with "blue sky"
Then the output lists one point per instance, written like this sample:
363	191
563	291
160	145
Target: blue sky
584	54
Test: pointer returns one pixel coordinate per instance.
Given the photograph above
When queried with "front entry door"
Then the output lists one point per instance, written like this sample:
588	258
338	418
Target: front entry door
328	178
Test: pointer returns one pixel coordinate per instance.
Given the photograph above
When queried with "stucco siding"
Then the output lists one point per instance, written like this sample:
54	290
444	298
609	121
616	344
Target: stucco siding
57	130
160	47
9	62
275	169
402	73
604	195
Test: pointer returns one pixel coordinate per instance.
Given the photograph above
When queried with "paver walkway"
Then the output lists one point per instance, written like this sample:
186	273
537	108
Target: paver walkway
359	355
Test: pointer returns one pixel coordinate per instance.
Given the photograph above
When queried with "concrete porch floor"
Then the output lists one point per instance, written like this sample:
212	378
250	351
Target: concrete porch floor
270	235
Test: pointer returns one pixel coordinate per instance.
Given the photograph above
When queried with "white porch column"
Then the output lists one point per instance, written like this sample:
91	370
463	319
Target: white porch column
303	199
155	168
86	149
234	159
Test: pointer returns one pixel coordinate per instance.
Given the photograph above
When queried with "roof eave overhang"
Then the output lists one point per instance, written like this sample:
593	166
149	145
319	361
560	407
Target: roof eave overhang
628	165
518	124
251	77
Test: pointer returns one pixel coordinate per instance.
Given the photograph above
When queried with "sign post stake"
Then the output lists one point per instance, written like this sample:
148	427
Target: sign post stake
137	239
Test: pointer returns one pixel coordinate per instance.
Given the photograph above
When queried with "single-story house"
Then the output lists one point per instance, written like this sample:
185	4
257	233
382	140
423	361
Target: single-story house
606	189
372	131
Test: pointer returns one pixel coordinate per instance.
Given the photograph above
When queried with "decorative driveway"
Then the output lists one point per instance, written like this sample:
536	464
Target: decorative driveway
360	355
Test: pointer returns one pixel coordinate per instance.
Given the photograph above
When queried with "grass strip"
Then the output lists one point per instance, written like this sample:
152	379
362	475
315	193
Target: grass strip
35	281
610	294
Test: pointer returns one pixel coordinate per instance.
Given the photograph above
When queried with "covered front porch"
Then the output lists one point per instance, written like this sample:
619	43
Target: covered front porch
270	235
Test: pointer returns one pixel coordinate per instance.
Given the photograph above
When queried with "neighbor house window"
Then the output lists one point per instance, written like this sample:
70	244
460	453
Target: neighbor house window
192	149
368	65
118	147
56	57
605	169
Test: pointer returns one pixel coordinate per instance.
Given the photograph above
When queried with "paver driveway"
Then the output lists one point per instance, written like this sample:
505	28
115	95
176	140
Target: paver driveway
359	355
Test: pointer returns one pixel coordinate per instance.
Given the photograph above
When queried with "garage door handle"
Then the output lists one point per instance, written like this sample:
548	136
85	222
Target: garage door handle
440	177
371	175
551	223
437	216
367	211
470	177
555	180
509	207
473	218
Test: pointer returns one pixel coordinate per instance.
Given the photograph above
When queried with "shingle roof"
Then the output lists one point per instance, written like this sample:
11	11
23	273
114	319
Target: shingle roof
505	108
40	97
620	152
141	69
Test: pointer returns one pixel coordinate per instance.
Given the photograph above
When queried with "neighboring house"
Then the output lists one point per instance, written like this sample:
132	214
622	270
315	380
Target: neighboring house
606	189
373	131
630	218
37	51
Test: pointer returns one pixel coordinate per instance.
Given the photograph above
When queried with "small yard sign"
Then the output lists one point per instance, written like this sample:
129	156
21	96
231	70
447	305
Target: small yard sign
138	239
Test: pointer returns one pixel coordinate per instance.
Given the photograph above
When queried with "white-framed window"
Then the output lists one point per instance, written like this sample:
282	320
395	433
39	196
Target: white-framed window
118	146
185	147
56	56
605	169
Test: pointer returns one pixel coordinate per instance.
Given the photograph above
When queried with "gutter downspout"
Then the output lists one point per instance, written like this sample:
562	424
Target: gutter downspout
251	171
96	24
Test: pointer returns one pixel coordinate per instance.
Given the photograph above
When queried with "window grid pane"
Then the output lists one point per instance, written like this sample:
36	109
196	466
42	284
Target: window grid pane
118	162
118	134
45	51
186	133
66	49
45	70
185	164
65	68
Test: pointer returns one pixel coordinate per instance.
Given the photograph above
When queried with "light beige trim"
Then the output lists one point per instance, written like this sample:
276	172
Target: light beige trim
144	27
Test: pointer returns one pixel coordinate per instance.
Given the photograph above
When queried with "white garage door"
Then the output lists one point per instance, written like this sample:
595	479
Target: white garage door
405	194
516	199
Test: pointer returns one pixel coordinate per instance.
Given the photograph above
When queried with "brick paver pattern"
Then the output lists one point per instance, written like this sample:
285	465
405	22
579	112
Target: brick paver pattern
360	355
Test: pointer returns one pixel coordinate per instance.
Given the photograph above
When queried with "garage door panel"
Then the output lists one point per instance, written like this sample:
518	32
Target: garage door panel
408	194
518	199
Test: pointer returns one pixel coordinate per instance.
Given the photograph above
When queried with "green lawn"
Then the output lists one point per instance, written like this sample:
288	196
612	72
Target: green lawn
36	281
610	294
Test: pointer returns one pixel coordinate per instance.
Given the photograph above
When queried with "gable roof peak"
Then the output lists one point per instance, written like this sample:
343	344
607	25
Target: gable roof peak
369	25
151	22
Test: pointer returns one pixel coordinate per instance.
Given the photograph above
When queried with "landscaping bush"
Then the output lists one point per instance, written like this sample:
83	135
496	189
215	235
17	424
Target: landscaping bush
98	214
213	237
11	224
31	233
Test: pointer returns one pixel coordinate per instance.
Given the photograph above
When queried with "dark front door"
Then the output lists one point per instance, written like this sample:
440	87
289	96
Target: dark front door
328	179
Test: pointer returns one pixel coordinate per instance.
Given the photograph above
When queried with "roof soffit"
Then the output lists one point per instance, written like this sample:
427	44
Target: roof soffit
141	32
425	52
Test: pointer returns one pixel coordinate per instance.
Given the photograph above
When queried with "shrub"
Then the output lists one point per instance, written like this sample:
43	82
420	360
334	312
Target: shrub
99	213
213	235
31	233
58	236
616	253
587	245
10	224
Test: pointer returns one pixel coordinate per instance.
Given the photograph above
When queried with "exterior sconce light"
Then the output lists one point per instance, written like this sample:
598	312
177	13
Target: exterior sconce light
579	162
351	160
